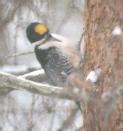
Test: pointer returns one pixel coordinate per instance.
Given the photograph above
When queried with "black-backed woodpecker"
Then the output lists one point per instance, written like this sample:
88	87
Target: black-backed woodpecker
58	56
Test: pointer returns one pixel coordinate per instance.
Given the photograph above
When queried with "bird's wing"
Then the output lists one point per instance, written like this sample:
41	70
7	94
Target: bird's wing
58	67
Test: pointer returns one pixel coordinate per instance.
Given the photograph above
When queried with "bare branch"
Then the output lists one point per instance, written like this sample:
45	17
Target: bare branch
8	81
38	75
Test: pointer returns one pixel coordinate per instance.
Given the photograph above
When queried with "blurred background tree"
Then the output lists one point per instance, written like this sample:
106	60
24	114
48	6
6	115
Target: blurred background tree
21	110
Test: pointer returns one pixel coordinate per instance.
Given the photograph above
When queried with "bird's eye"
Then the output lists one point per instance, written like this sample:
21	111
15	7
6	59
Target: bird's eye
41	29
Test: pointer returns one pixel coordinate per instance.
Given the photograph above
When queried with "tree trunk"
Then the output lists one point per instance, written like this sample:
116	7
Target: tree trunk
103	23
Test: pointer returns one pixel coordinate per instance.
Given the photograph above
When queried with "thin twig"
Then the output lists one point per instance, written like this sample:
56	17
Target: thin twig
20	54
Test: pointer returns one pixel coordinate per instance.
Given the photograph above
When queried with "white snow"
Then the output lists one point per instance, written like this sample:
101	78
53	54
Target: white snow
117	31
93	76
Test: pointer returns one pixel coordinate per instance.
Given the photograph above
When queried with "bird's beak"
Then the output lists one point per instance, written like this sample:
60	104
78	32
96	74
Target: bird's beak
55	38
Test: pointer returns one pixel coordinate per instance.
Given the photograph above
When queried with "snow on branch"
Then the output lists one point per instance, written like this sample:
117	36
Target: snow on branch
10	82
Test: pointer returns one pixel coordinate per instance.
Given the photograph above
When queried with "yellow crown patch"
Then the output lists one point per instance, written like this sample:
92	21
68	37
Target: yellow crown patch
41	29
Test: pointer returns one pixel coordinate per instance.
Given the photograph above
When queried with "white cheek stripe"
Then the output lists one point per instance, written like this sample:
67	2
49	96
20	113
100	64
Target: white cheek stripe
45	46
49	44
38	42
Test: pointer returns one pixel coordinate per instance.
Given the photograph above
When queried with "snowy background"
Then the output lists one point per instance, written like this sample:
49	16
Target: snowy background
21	110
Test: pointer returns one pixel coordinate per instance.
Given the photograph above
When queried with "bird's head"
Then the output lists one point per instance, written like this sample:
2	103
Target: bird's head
37	32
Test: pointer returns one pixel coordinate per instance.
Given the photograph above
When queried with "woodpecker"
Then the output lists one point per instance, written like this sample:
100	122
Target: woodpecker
58	56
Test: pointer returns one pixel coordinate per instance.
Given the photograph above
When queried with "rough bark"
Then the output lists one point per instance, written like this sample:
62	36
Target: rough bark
105	51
